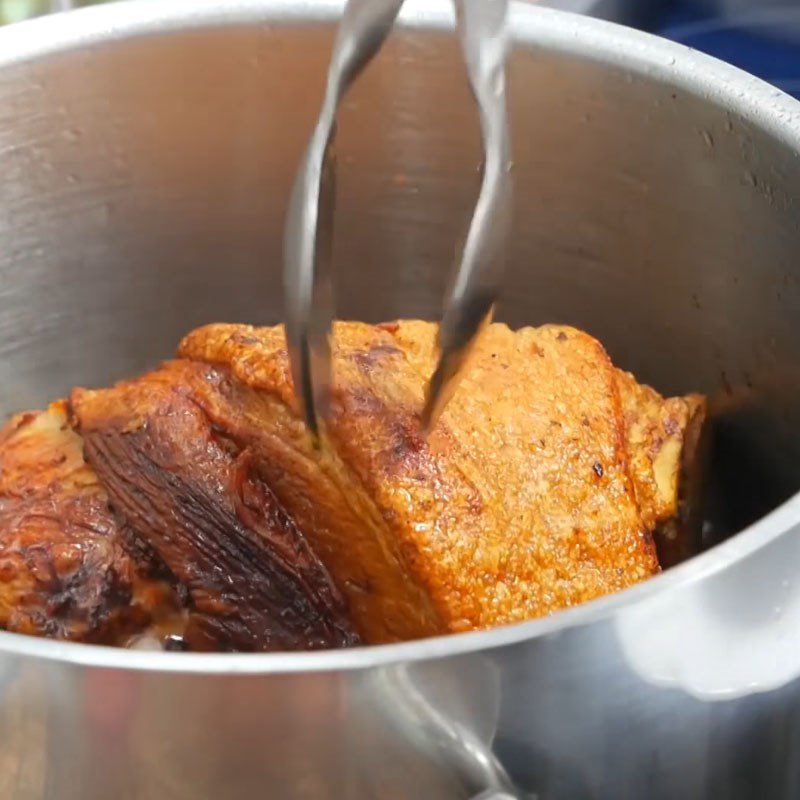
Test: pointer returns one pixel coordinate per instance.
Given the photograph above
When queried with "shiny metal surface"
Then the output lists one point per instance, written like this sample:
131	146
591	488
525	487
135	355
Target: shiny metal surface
482	29
147	154
308	237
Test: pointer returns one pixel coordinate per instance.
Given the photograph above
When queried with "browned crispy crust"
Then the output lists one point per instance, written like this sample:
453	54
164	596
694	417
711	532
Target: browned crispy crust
519	503
64	571
541	488
195	496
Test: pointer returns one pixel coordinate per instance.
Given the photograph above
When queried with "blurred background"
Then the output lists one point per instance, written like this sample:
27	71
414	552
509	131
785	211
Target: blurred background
760	36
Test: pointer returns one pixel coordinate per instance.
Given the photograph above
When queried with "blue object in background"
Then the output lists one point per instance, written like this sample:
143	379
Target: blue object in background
762	41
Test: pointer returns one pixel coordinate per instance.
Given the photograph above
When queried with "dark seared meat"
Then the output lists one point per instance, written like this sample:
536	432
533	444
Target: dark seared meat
198	499
64	569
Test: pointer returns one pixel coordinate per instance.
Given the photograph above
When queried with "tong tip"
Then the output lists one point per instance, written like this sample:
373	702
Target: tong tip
441	387
309	366
460	330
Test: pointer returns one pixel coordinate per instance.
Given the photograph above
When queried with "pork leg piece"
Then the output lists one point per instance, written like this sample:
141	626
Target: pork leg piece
541	487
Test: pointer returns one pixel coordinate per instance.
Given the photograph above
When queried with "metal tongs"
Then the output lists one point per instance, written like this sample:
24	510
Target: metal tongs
364	27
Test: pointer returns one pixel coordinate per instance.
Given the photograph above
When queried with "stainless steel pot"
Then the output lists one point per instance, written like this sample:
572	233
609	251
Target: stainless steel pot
146	152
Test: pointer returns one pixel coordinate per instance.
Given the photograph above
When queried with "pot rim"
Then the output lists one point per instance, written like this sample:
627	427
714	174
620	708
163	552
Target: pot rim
681	67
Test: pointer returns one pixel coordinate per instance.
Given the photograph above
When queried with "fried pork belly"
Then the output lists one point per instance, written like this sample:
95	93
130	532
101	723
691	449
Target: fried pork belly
195	495
542	486
520	502
64	569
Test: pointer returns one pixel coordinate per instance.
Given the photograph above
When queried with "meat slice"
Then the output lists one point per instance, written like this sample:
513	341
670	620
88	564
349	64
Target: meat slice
64	568
195	494
519	503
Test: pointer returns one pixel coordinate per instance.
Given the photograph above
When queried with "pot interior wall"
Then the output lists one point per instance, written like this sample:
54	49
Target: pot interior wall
144	183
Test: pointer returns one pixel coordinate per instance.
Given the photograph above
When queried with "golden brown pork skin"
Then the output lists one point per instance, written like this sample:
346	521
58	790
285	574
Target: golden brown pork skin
522	501
540	488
